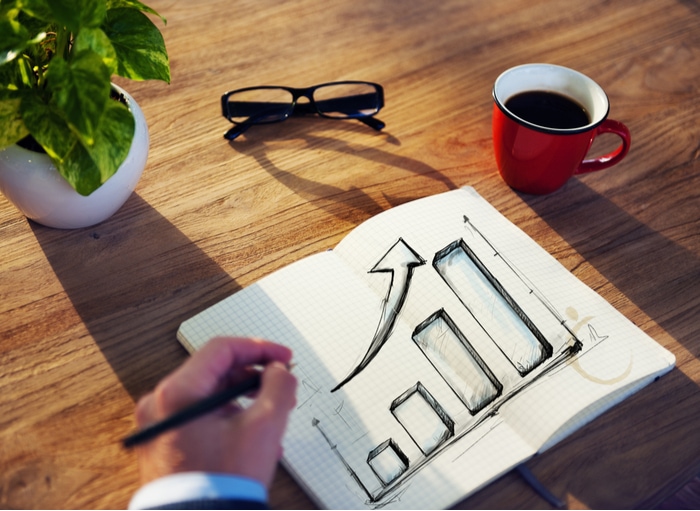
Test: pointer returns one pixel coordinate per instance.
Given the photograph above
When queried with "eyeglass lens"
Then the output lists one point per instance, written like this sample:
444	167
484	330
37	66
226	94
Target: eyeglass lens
260	105
344	100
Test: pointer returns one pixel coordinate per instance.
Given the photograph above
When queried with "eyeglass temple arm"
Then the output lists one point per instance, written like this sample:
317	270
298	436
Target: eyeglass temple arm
239	129
351	105
236	130
372	122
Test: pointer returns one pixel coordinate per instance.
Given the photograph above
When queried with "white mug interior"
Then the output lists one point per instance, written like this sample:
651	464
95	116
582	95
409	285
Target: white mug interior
552	78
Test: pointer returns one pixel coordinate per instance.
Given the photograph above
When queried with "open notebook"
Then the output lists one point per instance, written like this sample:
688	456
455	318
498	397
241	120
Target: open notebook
436	348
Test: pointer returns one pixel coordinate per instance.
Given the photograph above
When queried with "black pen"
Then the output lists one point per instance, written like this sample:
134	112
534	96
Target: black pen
193	411
539	488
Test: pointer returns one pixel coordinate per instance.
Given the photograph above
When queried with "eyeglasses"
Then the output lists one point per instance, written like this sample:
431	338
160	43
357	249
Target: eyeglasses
335	100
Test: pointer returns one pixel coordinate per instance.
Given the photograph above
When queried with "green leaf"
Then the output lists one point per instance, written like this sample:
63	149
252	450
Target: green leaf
14	37
85	168
88	168
47	127
133	4
94	39
15	75
139	45
70	157
80	170
7	6
13	128
37	8
23	45
113	139
81	91
73	14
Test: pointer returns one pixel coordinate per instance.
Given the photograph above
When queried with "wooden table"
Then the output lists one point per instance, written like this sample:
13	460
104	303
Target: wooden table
88	317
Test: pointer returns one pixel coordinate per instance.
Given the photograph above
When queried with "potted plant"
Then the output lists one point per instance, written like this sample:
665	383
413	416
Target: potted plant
59	107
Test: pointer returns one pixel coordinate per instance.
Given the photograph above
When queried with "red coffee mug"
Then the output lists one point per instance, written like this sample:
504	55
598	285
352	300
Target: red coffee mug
535	158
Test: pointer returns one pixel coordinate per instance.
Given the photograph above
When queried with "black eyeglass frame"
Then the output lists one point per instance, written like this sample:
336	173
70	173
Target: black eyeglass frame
302	109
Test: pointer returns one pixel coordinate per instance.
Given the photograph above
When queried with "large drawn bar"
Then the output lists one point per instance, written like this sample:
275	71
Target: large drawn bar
489	302
454	358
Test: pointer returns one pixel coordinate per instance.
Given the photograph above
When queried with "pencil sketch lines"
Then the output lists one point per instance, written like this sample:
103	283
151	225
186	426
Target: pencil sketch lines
387	461
512	330
310	388
594	335
334	447
501	337
339	413
513	268
399	261
423	418
455	359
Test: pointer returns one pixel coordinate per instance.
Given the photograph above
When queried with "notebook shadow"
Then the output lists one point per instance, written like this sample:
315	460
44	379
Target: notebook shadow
132	280
321	135
619	246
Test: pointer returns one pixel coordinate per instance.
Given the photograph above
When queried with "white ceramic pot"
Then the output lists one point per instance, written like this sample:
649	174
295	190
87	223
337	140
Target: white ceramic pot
31	182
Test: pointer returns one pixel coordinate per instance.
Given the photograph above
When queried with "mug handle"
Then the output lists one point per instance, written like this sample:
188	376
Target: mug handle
610	159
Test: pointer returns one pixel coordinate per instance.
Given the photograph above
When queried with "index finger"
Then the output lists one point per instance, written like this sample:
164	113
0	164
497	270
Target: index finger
203	373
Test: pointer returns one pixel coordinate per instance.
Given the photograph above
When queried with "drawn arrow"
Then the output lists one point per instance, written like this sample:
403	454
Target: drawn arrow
400	261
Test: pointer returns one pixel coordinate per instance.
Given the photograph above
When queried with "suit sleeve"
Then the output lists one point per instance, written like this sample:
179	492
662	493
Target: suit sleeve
201	490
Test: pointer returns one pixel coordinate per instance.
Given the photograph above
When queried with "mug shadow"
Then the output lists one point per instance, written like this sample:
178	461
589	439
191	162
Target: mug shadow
621	248
357	205
132	280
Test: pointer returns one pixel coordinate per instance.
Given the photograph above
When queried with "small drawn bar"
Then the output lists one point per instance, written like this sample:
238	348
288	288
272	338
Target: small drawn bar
388	462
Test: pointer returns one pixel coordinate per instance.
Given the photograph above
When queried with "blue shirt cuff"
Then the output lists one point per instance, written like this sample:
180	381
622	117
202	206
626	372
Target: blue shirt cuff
186	486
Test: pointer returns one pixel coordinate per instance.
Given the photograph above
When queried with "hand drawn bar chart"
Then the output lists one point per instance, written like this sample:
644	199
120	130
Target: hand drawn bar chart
505	308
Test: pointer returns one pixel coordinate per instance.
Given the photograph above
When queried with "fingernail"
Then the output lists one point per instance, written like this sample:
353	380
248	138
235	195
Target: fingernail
280	365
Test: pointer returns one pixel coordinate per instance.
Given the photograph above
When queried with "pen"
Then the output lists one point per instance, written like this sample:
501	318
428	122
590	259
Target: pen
539	488
193	411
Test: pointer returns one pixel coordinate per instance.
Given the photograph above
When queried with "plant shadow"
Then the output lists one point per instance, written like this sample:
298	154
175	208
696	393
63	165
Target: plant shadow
132	280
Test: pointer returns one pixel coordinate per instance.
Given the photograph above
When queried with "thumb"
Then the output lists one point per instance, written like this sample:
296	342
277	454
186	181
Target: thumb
277	395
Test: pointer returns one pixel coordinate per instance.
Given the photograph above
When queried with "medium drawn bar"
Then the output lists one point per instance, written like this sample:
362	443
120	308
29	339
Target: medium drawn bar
455	359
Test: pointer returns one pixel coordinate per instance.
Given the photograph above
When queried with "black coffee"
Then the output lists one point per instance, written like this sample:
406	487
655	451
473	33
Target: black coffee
548	109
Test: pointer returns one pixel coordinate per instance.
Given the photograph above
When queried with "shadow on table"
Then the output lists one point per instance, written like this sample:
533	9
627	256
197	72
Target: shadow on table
634	454
322	135
133	279
654	272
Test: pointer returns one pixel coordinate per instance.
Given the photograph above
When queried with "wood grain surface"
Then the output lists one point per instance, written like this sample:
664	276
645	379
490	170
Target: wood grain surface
88	317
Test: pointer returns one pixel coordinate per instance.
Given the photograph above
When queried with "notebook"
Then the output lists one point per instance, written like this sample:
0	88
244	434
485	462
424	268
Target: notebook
436	348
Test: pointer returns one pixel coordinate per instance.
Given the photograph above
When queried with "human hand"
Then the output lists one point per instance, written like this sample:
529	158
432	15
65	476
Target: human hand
228	440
